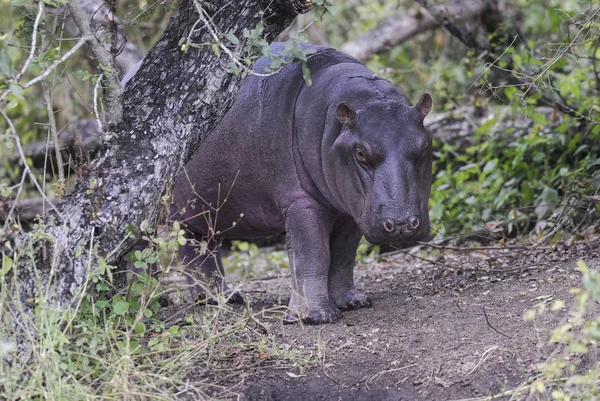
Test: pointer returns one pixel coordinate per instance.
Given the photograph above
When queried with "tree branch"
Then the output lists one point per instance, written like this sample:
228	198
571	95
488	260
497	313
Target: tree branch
396	30
113	108
95	11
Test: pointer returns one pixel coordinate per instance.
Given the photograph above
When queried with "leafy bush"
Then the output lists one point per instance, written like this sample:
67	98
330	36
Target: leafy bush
573	371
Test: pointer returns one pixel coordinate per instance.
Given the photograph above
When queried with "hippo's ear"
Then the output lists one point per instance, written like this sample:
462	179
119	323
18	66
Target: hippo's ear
424	104
345	114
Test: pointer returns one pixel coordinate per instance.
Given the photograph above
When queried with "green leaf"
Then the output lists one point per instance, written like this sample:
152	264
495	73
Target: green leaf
101	303
539	118
139	328
6	265
120	307
6	64
306	74
232	38
547	201
216	49
509	92
578	348
16	90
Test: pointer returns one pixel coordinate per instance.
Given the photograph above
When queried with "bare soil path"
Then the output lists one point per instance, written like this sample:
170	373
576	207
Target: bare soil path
451	329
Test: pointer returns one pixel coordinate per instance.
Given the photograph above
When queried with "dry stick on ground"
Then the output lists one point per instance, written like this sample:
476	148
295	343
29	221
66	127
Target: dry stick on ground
492	327
378	375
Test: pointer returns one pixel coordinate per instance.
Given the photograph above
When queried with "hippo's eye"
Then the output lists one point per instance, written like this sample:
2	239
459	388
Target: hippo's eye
360	156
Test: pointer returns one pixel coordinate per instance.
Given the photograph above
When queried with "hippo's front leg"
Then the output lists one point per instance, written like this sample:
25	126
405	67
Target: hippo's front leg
343	244
308	225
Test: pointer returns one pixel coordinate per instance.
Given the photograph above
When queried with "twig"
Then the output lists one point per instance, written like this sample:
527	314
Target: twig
25	165
492	327
96	112
60	186
19	75
472	248
213	33
14	203
53	66
113	107
532	89
378	375
483	358
439	15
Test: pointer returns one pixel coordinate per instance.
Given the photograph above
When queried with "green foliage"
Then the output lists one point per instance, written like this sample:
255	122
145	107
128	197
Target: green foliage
366	252
505	177
247	260
572	372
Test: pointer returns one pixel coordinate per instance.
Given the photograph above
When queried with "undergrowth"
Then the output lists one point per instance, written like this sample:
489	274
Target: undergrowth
128	343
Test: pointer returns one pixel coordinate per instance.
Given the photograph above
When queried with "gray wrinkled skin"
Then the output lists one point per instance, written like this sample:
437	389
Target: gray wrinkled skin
325	163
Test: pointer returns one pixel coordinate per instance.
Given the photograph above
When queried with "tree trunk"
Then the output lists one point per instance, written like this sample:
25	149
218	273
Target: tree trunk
173	101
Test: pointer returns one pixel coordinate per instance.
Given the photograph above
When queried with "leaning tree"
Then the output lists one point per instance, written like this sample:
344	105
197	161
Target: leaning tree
179	94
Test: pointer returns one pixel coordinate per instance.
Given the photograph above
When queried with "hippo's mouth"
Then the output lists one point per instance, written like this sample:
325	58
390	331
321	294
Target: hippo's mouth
379	238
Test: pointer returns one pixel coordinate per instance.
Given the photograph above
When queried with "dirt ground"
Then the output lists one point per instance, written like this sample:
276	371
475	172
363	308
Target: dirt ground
448	329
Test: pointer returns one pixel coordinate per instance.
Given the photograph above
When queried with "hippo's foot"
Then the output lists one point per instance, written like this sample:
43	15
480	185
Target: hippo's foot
352	299
321	312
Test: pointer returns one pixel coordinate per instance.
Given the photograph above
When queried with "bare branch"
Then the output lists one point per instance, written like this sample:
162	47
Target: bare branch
531	88
56	63
19	75
24	160
113	107
54	134
396	30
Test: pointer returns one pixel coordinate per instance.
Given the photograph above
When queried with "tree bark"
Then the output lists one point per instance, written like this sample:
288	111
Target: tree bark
173	101
395	30
97	12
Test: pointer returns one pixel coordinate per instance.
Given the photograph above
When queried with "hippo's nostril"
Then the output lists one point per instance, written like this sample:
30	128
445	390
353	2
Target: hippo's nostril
413	222
389	225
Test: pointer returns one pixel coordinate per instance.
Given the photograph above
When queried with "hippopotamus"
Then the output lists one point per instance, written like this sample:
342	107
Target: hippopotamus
325	163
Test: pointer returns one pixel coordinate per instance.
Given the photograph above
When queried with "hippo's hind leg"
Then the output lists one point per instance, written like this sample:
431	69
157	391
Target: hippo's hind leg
204	269
343	244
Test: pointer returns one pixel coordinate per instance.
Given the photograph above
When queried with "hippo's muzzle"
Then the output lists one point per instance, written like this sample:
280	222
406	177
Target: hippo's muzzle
401	232
403	227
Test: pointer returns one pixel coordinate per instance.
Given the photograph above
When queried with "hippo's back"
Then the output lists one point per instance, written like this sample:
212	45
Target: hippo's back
248	159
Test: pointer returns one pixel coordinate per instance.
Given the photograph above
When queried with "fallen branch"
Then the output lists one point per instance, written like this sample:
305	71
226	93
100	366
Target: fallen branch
26	210
393	31
78	140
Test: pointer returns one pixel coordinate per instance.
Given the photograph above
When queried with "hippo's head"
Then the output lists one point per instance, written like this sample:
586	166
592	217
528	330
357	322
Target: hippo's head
383	177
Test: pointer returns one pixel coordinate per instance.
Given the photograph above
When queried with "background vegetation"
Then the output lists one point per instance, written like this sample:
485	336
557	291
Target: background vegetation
506	164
